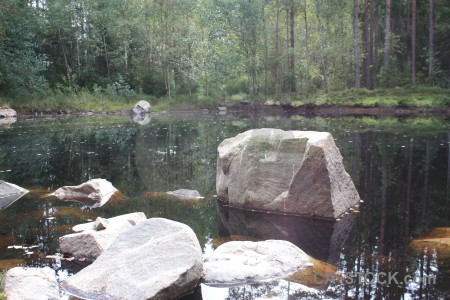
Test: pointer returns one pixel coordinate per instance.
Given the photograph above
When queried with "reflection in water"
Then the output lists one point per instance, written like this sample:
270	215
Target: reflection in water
401	169
321	239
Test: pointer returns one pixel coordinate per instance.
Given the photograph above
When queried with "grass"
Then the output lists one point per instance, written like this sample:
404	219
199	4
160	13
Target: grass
2	274
413	97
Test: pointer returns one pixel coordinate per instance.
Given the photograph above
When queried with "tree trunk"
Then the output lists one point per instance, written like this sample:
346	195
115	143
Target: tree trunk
106	55
292	88
365	40
322	49
306	41
370	54
387	43
277	49
266	48
431	40
413	42
356	43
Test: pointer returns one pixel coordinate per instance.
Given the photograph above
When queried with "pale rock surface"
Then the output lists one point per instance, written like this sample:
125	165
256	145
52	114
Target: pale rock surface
93	193
243	262
31	284
156	259
88	242
298	172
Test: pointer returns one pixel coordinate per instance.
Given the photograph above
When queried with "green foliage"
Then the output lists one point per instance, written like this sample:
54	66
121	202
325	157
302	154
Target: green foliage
205	49
21	66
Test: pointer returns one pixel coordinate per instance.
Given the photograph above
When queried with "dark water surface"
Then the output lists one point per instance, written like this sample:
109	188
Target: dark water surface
400	168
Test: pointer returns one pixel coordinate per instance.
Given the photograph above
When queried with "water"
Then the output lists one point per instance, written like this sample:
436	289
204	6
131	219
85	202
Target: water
400	168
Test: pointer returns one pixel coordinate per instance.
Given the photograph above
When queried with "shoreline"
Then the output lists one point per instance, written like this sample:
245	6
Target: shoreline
308	110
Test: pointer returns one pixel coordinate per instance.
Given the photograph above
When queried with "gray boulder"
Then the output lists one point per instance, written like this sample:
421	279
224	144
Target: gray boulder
142	107
298	172
184	194
94	193
90	240
156	259
31	284
8	121
7	113
244	262
9	193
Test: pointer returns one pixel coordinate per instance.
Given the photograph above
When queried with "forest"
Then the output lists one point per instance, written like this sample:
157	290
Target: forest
216	49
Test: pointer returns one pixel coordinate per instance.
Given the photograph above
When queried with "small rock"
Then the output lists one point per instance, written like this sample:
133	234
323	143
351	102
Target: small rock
31	284
184	194
245	262
7	113
142	107
94	193
89	243
222	108
100	224
156	259
9	193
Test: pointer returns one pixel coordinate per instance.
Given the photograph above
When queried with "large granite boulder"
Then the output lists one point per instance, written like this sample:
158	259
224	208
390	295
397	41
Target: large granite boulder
31	284
9	193
94	193
142	107
156	259
244	262
90	240
298	172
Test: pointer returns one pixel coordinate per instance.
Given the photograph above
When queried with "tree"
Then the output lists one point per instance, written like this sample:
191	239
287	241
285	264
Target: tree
431	39
356	42
387	32
413	41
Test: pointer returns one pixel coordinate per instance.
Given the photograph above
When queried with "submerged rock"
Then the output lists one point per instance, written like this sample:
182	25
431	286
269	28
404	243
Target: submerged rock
31	284
7	113
299	172
314	275
156	259
243	262
322	239
437	243
89	241
94	193
184	194
142	107
9	193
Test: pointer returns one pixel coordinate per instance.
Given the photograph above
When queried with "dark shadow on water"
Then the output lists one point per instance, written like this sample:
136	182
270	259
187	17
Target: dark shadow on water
321	239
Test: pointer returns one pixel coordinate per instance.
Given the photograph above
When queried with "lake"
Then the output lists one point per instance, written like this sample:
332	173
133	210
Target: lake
401	168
